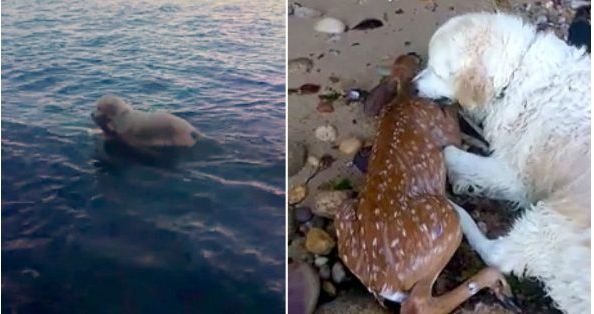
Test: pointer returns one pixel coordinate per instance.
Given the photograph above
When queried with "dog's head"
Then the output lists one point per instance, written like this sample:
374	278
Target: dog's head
107	109
472	58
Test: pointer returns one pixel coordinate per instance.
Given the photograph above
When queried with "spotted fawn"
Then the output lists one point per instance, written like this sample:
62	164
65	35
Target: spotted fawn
402	231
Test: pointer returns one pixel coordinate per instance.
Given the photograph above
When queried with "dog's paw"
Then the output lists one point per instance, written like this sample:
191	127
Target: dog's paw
461	186
460	176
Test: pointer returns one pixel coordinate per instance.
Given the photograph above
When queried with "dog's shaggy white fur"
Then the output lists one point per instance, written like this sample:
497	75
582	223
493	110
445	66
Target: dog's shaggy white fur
531	92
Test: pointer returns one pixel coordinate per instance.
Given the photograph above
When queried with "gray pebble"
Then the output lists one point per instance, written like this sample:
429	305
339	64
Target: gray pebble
320	261
324	271
303	214
338	273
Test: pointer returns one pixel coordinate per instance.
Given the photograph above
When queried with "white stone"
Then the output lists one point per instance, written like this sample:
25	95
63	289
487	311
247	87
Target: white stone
319	261
350	146
313	160
330	25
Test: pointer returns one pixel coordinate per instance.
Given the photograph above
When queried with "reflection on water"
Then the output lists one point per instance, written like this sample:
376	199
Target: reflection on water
90	226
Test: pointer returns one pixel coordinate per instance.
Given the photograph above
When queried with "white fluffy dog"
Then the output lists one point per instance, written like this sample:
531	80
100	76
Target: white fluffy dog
121	122
531	92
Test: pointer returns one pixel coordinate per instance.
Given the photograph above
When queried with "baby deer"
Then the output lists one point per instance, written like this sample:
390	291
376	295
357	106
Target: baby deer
403	230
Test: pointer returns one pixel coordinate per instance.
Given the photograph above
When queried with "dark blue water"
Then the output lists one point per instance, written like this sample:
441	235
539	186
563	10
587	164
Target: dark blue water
92	227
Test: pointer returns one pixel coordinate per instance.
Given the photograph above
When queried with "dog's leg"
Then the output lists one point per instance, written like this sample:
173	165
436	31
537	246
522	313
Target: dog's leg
477	240
482	176
526	241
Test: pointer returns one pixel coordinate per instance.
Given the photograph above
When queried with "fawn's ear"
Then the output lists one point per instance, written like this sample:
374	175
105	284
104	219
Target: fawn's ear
380	95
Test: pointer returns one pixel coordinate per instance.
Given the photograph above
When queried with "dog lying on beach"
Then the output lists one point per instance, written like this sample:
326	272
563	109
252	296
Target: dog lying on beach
531	93
119	121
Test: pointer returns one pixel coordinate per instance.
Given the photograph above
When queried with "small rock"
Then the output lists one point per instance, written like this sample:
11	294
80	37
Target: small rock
350	146
331	229
329	288
297	194
304	288
305	12
296	157
298	252
325	107
334	52
327	203
356	95
352	302
317	222
300	65
361	159
338	273
304	228
326	133
303	214
334	38
319	261
326	161
324	272
313	160
330	25
319	242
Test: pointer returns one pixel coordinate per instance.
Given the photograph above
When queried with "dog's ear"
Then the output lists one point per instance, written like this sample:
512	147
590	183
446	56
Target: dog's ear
473	87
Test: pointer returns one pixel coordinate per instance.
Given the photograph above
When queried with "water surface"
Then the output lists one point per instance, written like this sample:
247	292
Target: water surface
92	227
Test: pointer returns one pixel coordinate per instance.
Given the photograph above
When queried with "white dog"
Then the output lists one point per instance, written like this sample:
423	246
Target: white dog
531	92
121	122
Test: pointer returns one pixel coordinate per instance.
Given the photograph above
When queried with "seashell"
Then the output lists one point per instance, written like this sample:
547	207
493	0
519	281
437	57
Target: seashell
326	133
368	24
300	65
